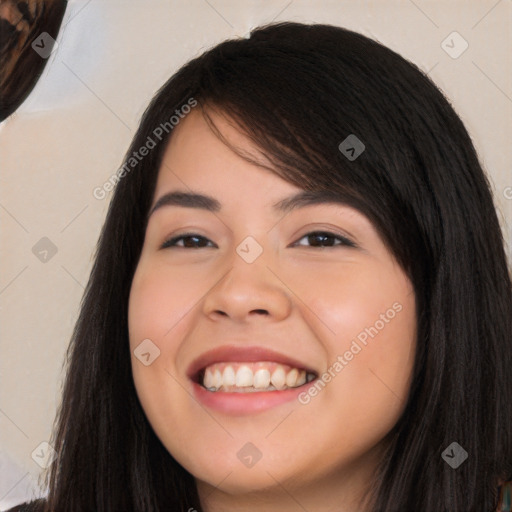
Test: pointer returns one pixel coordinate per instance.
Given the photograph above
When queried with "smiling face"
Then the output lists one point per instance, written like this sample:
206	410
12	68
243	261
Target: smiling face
251	277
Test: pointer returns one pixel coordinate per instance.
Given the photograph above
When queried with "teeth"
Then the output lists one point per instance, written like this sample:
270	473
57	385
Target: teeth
228	377
261	378
278	378
244	377
250	377
217	379
291	378
302	378
208	380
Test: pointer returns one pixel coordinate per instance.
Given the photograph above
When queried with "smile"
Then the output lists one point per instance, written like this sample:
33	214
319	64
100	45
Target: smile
245	377
239	380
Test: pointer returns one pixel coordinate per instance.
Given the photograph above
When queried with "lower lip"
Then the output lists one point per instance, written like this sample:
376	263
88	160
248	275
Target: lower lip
245	403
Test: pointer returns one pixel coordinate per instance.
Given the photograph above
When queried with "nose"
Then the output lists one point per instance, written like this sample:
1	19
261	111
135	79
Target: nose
247	292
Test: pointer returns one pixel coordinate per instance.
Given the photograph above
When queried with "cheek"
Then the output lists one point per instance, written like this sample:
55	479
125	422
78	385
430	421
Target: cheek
347	302
151	315
387	334
154	312
159	299
368	382
378	361
368	318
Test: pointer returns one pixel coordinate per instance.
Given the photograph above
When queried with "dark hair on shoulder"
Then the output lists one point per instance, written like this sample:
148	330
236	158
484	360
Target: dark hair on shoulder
297	91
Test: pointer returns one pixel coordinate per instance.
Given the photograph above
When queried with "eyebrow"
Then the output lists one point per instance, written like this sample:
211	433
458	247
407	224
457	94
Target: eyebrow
204	202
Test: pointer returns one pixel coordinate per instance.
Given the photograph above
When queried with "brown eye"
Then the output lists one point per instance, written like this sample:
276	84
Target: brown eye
325	239
190	240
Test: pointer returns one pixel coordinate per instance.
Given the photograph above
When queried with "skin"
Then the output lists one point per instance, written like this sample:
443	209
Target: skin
315	301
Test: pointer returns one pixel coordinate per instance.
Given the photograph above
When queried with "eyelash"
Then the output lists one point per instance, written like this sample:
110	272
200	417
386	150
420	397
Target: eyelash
344	241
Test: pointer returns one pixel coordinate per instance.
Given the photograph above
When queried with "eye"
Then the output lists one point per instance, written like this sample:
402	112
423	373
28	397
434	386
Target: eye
189	241
315	238
325	239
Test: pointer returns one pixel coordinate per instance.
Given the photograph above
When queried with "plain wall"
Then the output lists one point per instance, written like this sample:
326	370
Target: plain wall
71	135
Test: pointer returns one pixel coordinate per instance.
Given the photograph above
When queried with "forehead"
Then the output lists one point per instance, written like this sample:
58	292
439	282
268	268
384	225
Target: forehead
200	171
197	158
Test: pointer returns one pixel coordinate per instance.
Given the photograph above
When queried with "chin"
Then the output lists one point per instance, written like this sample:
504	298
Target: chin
242	482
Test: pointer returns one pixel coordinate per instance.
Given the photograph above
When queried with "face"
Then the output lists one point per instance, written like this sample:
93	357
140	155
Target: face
251	292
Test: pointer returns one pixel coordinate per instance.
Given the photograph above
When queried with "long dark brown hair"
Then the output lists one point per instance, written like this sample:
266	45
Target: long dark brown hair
297	91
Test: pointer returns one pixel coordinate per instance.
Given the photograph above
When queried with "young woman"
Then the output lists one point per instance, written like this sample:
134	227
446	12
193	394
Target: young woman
300	299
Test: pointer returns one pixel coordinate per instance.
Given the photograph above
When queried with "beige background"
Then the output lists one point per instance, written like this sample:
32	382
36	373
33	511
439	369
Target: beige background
72	132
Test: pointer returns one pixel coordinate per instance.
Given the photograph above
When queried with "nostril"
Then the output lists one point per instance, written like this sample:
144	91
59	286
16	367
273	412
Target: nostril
263	311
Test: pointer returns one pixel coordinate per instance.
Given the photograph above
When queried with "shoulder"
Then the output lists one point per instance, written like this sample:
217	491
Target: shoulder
29	506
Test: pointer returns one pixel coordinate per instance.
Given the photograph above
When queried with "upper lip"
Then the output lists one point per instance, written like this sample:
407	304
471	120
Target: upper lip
235	353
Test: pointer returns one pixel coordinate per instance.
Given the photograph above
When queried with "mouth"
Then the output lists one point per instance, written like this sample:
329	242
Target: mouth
252	377
237	380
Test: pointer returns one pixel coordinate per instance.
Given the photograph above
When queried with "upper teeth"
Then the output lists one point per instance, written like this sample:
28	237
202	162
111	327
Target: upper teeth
256	376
